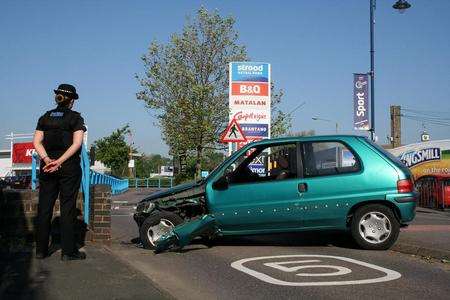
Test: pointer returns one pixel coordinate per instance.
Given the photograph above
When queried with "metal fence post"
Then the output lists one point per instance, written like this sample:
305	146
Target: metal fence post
33	171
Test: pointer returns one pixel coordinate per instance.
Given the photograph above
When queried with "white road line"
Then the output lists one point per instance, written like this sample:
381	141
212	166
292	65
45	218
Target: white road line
239	265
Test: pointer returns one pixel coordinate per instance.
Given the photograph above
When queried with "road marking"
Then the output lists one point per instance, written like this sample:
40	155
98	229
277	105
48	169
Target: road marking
279	266
239	265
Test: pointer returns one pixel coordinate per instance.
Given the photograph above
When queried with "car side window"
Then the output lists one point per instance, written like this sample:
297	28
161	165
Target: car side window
328	158
270	163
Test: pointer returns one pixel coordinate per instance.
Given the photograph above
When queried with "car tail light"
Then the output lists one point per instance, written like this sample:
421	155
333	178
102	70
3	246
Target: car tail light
405	186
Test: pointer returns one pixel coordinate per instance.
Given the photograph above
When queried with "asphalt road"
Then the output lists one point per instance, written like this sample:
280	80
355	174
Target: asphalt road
287	266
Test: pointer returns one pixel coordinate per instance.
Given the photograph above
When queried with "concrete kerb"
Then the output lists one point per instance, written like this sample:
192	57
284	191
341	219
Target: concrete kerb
421	251
110	249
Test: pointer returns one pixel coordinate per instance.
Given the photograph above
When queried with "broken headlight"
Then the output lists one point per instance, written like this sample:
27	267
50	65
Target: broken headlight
145	207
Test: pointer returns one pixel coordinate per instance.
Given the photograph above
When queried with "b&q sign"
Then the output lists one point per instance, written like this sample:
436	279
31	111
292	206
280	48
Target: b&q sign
22	153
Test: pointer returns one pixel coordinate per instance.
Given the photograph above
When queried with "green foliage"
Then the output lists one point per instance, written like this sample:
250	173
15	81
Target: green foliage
281	122
147	164
113	151
209	161
185	84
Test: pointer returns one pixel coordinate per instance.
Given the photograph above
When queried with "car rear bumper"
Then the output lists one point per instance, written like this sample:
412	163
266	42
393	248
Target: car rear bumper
406	204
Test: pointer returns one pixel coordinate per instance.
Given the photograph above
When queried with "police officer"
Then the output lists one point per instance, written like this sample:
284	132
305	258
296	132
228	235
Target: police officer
57	140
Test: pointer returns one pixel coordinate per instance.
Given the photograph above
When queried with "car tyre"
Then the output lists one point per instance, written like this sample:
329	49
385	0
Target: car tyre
150	229
375	227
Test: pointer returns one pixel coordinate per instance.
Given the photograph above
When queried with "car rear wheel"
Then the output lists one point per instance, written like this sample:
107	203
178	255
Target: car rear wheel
156	225
375	227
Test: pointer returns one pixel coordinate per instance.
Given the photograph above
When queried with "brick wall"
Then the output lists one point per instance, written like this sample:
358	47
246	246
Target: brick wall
18	212
100	218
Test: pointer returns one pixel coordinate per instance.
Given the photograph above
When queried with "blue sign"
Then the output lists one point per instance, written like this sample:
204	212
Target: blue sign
204	174
250	71
258	169
255	130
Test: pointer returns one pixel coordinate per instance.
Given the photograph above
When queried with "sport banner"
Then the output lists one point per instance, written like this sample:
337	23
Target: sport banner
361	102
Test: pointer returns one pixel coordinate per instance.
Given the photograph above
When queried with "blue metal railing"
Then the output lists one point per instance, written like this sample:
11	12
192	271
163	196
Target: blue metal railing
85	168
89	177
161	182
117	185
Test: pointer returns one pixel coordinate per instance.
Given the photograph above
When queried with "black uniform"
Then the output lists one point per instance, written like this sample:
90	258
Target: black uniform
58	126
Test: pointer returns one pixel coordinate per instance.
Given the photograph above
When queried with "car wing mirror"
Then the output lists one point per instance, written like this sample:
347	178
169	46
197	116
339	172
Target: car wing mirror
221	183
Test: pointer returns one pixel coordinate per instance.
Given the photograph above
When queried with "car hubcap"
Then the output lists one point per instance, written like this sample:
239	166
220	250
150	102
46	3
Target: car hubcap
374	227
155	232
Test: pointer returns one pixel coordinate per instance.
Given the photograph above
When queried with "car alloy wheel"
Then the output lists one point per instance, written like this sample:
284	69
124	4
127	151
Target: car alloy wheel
375	227
155	232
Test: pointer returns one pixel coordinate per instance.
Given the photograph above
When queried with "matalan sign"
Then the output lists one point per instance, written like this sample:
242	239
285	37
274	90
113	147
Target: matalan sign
249	100
22	153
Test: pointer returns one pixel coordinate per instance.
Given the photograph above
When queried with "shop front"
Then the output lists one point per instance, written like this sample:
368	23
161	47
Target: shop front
429	163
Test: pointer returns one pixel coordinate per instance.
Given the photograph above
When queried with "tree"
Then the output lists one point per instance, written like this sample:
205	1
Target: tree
147	164
186	83
281	122
113	151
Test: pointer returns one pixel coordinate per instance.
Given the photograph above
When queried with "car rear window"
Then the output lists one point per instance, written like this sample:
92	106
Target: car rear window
387	154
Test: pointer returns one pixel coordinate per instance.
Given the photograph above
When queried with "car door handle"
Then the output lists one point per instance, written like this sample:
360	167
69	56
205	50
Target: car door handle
302	187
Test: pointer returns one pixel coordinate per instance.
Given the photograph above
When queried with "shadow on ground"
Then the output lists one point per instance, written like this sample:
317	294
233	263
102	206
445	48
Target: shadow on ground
298	239
16	281
20	277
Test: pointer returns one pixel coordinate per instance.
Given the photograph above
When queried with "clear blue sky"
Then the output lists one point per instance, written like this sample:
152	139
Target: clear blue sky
313	46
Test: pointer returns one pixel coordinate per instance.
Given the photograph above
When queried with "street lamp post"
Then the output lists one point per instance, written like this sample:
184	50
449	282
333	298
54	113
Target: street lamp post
401	6
372	71
326	120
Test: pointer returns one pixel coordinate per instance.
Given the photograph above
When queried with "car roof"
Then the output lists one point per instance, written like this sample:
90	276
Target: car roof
306	138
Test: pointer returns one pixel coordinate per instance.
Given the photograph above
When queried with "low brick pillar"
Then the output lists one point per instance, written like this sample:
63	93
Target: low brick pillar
18	216
100	214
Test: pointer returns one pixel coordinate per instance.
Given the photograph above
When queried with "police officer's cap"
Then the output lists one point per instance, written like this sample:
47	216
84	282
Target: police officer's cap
68	90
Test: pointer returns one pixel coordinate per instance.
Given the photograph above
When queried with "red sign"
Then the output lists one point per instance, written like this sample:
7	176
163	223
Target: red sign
249	88
233	133
22	153
248	141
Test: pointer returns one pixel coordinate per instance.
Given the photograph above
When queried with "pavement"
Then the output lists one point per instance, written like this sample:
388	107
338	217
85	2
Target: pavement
100	276
428	235
297	265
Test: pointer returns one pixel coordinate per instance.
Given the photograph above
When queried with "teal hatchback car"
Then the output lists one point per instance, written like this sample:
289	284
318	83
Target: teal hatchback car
287	185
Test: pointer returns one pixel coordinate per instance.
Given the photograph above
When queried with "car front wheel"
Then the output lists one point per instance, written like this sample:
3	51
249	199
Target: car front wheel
374	227
156	225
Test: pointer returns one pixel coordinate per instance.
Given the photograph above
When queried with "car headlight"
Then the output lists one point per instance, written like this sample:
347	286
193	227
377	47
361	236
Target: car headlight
145	207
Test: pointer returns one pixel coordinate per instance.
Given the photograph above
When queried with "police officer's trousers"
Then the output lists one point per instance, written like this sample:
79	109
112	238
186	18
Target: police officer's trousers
65	182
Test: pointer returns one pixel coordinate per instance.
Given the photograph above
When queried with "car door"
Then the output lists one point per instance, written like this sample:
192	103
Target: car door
266	203
332	183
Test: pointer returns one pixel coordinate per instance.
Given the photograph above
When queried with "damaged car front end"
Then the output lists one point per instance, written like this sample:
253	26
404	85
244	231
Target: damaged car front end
172	218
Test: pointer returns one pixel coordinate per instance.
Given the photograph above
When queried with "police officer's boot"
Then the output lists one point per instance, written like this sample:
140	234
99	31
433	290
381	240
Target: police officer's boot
77	255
